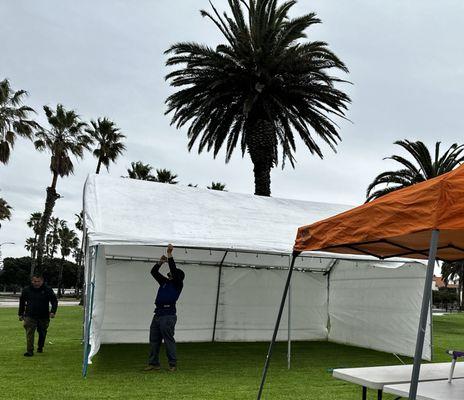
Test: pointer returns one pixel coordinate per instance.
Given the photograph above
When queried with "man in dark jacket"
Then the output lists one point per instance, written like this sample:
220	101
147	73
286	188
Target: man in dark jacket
34	310
164	320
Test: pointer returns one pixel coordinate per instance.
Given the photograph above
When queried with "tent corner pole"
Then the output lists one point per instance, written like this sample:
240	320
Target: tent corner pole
276	328
289	327
213	338
425	311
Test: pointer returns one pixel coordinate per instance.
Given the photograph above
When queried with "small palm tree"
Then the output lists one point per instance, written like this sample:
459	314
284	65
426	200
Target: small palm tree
65	137
165	176
68	242
5	210
79	224
78	253
53	238
451	271
31	245
419	169
261	88
14	119
217	186
108	139
141	171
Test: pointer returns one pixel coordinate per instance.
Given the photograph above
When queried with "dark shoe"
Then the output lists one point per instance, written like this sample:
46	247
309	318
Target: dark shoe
40	350
172	368
152	368
28	354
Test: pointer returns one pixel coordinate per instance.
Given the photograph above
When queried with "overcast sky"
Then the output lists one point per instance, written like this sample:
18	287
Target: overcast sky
105	58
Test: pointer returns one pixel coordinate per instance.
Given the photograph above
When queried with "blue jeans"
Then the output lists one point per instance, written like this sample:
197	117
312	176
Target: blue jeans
162	329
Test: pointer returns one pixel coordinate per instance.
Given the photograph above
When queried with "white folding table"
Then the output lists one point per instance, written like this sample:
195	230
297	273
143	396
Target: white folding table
436	390
378	377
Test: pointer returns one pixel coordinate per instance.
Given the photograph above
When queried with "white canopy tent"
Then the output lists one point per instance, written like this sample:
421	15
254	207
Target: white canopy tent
235	250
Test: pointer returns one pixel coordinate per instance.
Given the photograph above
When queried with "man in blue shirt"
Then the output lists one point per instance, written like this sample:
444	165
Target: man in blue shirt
164	320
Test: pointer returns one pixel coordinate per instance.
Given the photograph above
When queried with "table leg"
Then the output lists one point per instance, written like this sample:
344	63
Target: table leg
379	394
364	397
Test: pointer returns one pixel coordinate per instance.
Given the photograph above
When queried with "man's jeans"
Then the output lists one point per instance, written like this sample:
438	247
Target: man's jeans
30	325
162	328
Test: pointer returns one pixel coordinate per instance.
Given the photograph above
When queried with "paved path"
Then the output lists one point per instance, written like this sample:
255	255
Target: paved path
6	302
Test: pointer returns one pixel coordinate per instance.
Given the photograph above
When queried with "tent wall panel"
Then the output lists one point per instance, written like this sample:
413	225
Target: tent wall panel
250	299
130	296
377	307
98	278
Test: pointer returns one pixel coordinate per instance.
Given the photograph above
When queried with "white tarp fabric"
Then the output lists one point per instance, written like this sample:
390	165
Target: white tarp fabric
129	211
378	308
130	222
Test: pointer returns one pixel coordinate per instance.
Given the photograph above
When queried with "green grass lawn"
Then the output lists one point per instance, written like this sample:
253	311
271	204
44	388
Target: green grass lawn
206	370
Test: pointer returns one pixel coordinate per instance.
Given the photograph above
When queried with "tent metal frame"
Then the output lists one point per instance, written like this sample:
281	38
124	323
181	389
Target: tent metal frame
217	296
425	311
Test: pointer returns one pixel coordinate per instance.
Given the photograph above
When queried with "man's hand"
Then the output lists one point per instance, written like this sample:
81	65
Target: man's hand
163	259
170	249
52	315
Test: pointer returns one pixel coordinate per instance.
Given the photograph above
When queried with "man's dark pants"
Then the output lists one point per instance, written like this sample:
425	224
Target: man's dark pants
162	329
31	325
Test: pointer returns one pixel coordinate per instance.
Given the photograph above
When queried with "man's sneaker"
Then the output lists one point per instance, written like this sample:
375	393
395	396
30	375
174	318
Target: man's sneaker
40	350
28	354
152	368
172	368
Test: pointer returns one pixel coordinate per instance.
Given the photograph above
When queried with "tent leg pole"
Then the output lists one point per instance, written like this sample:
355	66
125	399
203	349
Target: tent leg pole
425	310
87	311
289	350
217	297
276	328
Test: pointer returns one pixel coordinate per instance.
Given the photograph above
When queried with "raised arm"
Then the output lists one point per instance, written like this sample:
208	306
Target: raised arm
155	271
171	262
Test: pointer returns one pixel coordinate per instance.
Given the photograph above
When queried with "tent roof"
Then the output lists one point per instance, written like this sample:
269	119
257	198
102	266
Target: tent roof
122	211
398	224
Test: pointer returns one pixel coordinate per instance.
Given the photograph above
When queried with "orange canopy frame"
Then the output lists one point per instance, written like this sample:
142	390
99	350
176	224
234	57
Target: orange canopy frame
424	221
398	224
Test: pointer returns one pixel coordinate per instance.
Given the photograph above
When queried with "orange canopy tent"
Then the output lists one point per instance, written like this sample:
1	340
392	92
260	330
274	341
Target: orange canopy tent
398	224
422	221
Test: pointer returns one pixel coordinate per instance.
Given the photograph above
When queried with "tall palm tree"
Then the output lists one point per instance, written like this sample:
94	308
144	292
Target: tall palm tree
31	243
14	119
5	210
108	139
217	186
141	171
419	169
65	137
68	242
259	89
452	270
165	176
53	238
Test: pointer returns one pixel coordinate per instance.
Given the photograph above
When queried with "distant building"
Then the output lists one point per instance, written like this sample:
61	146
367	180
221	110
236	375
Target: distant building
439	283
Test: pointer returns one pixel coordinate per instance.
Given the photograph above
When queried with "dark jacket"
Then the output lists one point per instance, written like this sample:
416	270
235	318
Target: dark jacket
35	303
169	290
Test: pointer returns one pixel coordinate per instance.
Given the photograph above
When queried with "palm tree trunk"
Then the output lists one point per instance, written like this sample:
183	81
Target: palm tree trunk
60	277
50	201
262	147
33	254
461	287
98	166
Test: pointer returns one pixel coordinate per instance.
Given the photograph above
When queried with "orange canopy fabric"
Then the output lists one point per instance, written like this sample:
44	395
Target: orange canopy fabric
398	224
